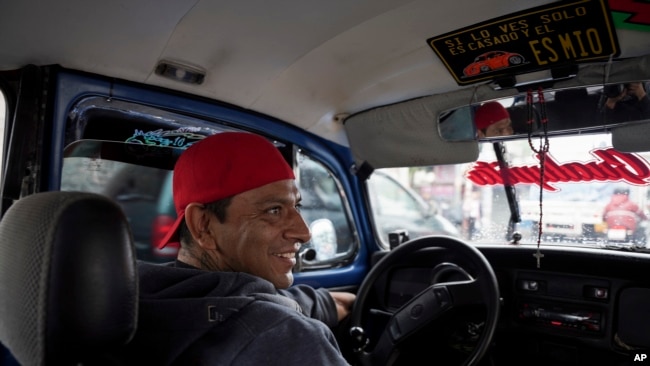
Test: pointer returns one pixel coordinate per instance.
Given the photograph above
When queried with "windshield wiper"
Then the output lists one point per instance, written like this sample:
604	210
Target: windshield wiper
511	194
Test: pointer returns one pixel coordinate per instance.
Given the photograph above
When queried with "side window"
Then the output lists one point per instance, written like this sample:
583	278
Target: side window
326	211
145	194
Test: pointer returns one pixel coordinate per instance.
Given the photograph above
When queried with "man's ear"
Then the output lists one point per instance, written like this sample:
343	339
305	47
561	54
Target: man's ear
197	219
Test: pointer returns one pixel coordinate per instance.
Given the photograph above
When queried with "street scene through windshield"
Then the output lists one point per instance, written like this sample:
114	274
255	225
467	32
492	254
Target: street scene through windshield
591	195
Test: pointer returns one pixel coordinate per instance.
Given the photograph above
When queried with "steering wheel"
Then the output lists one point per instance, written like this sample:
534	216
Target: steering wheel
429	305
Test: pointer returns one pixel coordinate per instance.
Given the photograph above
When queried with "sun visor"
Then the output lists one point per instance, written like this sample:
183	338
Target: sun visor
406	134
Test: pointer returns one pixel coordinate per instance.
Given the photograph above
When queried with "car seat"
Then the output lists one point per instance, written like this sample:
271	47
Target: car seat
573	108
68	280
519	118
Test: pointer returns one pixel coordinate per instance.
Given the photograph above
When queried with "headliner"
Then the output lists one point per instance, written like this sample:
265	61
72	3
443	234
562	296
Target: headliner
310	63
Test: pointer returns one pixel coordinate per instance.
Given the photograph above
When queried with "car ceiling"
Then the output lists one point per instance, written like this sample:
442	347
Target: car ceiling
305	62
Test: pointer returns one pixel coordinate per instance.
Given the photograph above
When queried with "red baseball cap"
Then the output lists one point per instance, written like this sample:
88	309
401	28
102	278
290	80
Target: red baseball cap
221	166
488	114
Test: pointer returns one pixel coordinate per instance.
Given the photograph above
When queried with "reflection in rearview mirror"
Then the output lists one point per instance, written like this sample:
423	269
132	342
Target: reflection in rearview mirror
587	109
492	119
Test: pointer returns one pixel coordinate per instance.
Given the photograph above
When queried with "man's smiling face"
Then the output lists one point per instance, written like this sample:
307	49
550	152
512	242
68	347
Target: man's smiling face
262	232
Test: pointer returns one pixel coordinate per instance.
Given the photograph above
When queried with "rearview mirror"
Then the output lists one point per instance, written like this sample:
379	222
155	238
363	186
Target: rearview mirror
586	108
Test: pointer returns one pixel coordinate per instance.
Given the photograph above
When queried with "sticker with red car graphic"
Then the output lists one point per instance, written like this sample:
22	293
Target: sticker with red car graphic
493	60
555	35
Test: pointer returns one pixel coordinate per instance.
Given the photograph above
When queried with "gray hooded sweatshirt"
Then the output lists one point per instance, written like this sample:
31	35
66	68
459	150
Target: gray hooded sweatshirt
188	316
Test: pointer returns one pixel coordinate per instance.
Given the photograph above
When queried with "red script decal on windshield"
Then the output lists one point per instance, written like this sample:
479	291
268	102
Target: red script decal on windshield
610	166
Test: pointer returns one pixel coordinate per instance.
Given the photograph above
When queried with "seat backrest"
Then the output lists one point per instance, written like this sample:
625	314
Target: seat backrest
68	280
519	118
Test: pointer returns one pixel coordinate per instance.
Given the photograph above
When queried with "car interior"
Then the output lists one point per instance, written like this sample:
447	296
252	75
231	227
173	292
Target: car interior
463	247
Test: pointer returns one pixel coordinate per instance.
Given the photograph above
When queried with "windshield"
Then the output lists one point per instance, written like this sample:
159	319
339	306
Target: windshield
591	195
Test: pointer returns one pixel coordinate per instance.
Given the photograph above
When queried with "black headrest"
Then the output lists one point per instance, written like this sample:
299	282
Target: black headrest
68	282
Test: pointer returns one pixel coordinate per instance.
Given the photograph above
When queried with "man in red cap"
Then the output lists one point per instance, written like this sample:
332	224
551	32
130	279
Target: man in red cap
227	298
492	119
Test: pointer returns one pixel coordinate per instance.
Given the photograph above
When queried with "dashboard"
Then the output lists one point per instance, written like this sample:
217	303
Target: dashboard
581	306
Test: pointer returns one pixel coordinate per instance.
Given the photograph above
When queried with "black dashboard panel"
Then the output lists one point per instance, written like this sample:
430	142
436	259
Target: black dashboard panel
581	306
